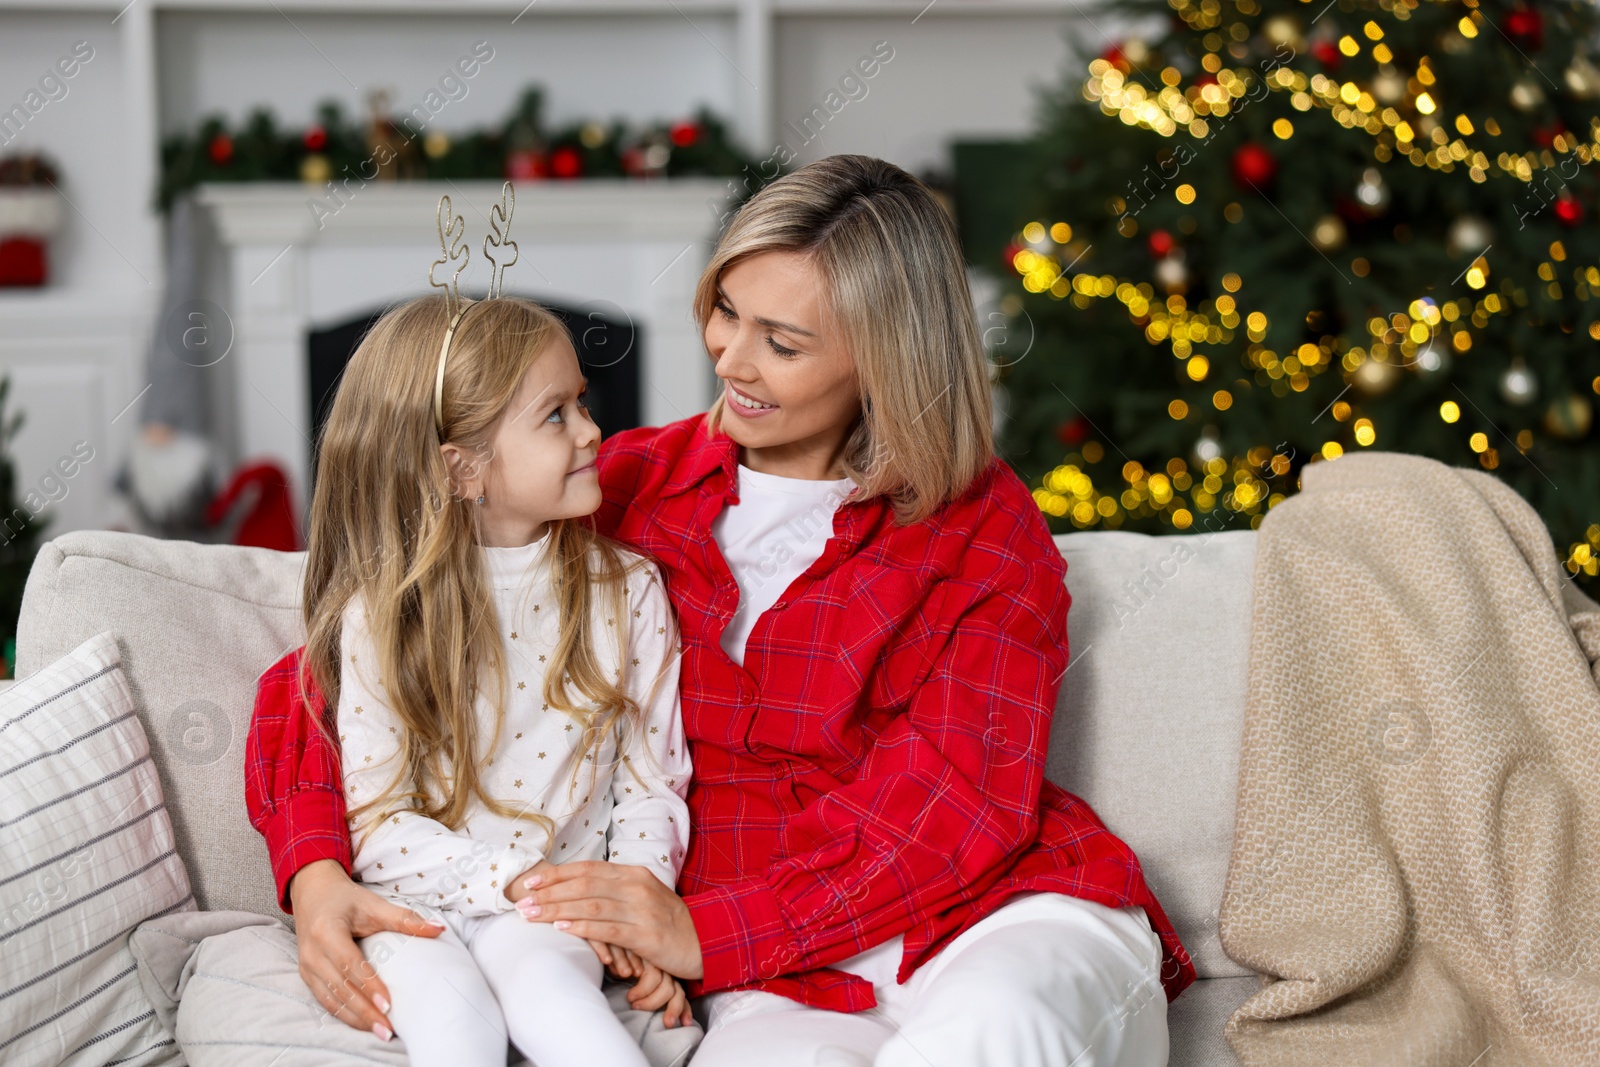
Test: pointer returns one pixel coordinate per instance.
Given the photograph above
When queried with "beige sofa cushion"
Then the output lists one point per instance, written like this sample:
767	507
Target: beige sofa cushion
196	625
1151	710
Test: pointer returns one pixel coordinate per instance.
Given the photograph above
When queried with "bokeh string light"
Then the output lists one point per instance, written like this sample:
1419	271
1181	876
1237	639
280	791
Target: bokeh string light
1409	114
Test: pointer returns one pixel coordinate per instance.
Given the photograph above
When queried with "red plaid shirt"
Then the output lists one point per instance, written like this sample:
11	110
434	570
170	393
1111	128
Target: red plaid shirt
876	766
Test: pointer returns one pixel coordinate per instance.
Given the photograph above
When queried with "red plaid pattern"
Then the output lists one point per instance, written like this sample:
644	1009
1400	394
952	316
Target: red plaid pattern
876	767
293	787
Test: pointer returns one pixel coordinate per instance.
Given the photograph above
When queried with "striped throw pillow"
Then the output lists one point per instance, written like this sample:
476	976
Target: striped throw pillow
86	854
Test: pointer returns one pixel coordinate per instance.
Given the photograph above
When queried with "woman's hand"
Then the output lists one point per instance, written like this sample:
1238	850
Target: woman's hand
330	912
517	888
619	904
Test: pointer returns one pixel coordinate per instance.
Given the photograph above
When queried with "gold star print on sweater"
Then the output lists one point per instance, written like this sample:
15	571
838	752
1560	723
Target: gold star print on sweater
534	757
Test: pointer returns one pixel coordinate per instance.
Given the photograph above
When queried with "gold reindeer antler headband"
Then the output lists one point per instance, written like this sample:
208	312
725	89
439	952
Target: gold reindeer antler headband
452	232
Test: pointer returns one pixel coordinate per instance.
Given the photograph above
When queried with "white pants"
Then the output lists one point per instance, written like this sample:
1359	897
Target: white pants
1045	980
457	998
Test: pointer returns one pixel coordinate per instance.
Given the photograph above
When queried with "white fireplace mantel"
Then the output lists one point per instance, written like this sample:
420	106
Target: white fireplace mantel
298	261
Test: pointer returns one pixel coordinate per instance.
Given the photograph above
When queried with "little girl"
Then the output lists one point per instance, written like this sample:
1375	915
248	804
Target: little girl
505	680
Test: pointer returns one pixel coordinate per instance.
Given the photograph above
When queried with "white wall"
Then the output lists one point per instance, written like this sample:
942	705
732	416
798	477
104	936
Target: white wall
968	76
638	67
73	350
110	240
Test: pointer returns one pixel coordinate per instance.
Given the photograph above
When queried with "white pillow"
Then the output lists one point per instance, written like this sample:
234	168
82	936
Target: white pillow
86	853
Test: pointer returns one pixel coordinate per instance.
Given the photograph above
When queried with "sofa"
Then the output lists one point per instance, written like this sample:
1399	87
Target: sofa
1147	727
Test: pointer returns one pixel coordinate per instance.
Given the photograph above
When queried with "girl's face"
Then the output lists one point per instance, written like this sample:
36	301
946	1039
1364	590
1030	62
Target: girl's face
540	464
790	387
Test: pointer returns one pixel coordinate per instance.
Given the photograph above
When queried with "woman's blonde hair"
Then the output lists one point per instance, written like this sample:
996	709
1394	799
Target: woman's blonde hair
897	293
387	525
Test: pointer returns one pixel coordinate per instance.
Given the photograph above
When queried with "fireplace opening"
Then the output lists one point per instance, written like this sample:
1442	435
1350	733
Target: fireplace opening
608	350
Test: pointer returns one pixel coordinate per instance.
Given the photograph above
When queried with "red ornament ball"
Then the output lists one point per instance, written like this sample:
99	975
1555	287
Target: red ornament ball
1327	53
1545	136
685	134
316	139
1161	243
1569	210
1253	166
525	166
1073	432
1008	255
1525	26
633	160
220	149
565	162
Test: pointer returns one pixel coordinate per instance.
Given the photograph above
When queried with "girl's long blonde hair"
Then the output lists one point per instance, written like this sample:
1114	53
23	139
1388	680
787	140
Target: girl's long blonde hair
896	288
386	525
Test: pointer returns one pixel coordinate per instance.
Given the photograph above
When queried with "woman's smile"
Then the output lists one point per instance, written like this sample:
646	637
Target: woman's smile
746	405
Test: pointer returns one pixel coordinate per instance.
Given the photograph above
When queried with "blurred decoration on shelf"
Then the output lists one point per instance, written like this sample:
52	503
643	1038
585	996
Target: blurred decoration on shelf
169	476
265	519
21	525
1260	240
30	214
392	149
169	482
337	149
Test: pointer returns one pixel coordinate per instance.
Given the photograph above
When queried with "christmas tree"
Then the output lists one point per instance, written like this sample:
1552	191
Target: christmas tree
20	531
1279	232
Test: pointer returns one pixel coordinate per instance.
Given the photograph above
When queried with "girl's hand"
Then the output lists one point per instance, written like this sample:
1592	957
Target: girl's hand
620	904
330	912
619	961
655	990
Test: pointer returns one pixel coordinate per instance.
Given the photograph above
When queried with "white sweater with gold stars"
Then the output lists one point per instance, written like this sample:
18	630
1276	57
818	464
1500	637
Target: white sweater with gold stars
631	811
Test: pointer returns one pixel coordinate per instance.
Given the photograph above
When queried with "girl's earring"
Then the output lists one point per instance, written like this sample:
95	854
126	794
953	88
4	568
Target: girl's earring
480	500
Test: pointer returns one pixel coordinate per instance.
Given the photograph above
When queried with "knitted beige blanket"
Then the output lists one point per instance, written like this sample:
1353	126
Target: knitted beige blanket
1416	862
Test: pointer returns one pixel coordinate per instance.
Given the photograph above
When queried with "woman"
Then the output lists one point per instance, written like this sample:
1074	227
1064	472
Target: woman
873	619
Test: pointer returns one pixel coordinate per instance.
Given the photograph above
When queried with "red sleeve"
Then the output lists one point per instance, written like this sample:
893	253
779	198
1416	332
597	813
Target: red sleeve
947	797
292	777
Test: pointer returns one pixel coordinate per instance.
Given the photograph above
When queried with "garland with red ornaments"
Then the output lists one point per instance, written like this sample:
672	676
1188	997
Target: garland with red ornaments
524	148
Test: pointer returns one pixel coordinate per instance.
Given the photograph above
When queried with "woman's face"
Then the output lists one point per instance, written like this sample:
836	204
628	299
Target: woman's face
789	385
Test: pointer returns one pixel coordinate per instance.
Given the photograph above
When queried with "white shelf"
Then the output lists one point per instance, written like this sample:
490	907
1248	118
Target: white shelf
268	212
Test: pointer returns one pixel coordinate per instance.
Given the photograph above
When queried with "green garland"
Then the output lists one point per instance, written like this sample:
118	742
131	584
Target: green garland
522	148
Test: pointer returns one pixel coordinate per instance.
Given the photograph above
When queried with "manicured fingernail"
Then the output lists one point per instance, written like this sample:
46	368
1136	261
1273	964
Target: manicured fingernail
382	1002
383	1032
532	909
436	923
533	882
562	924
